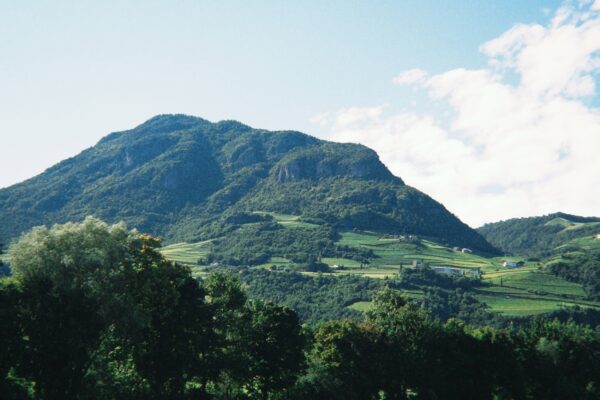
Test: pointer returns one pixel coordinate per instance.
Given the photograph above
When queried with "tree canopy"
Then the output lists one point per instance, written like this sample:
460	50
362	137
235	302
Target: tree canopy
94	311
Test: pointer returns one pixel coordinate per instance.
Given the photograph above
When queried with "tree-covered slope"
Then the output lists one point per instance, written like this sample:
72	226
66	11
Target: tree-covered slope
187	179
539	236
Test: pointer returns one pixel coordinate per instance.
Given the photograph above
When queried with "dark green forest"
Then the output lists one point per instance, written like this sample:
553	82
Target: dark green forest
93	311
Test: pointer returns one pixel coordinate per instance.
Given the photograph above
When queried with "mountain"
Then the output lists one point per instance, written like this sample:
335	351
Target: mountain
188	179
539	236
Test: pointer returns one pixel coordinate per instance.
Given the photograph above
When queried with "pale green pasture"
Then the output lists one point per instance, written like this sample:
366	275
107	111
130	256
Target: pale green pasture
540	281
346	262
186	253
287	220
518	306
393	252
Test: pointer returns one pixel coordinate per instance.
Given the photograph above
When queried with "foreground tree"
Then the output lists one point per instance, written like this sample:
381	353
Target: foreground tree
261	344
89	290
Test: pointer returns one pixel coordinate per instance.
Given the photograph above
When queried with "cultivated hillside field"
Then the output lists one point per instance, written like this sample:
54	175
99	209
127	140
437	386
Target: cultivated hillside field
523	291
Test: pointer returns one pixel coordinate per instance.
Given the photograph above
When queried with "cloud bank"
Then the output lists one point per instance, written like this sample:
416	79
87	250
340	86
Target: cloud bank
522	136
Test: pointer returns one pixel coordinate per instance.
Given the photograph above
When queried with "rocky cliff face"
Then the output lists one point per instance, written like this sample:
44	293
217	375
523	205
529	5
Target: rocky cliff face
330	160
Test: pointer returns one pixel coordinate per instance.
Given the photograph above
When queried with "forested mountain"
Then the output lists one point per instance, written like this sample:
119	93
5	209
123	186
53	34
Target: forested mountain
539	236
186	179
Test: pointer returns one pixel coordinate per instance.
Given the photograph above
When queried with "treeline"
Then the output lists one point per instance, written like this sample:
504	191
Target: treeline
94	312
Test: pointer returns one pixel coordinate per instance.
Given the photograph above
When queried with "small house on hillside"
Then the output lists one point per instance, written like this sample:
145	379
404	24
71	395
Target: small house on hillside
513	264
418	264
466	250
598	236
457	271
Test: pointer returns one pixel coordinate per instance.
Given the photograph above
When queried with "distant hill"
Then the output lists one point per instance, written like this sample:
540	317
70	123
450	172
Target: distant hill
539	236
188	179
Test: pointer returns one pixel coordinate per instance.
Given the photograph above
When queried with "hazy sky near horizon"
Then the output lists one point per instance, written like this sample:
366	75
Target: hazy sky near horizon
488	106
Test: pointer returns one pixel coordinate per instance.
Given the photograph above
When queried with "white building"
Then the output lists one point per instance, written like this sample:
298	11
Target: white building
513	264
456	271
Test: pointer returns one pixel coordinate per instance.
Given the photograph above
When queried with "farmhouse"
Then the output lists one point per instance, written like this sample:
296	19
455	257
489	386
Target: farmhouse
513	264
465	250
456	271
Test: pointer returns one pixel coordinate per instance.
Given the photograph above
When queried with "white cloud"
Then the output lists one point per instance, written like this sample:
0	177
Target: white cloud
410	77
508	149
321	119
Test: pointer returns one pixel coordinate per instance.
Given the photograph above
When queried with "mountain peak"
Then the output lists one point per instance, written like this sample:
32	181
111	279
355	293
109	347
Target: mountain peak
177	175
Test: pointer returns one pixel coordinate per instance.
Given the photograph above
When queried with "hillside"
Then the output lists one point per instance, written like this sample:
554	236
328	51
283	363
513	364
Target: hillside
187	179
502	292
539	236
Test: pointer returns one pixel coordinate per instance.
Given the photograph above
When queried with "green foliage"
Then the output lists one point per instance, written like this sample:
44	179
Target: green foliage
260	344
447	304
95	311
112	319
4	268
418	358
89	286
315	299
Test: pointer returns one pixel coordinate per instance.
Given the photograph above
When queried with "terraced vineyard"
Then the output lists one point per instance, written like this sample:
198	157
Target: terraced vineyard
190	254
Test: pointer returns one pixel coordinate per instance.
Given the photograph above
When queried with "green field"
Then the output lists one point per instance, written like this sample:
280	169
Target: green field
393	252
511	305
362	306
345	262
590	243
187	253
537	281
288	221
524	292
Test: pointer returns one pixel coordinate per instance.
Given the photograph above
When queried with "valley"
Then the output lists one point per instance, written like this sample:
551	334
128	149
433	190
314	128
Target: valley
513	292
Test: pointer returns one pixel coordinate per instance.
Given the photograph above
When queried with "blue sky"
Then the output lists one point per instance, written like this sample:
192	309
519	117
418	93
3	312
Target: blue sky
71	72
